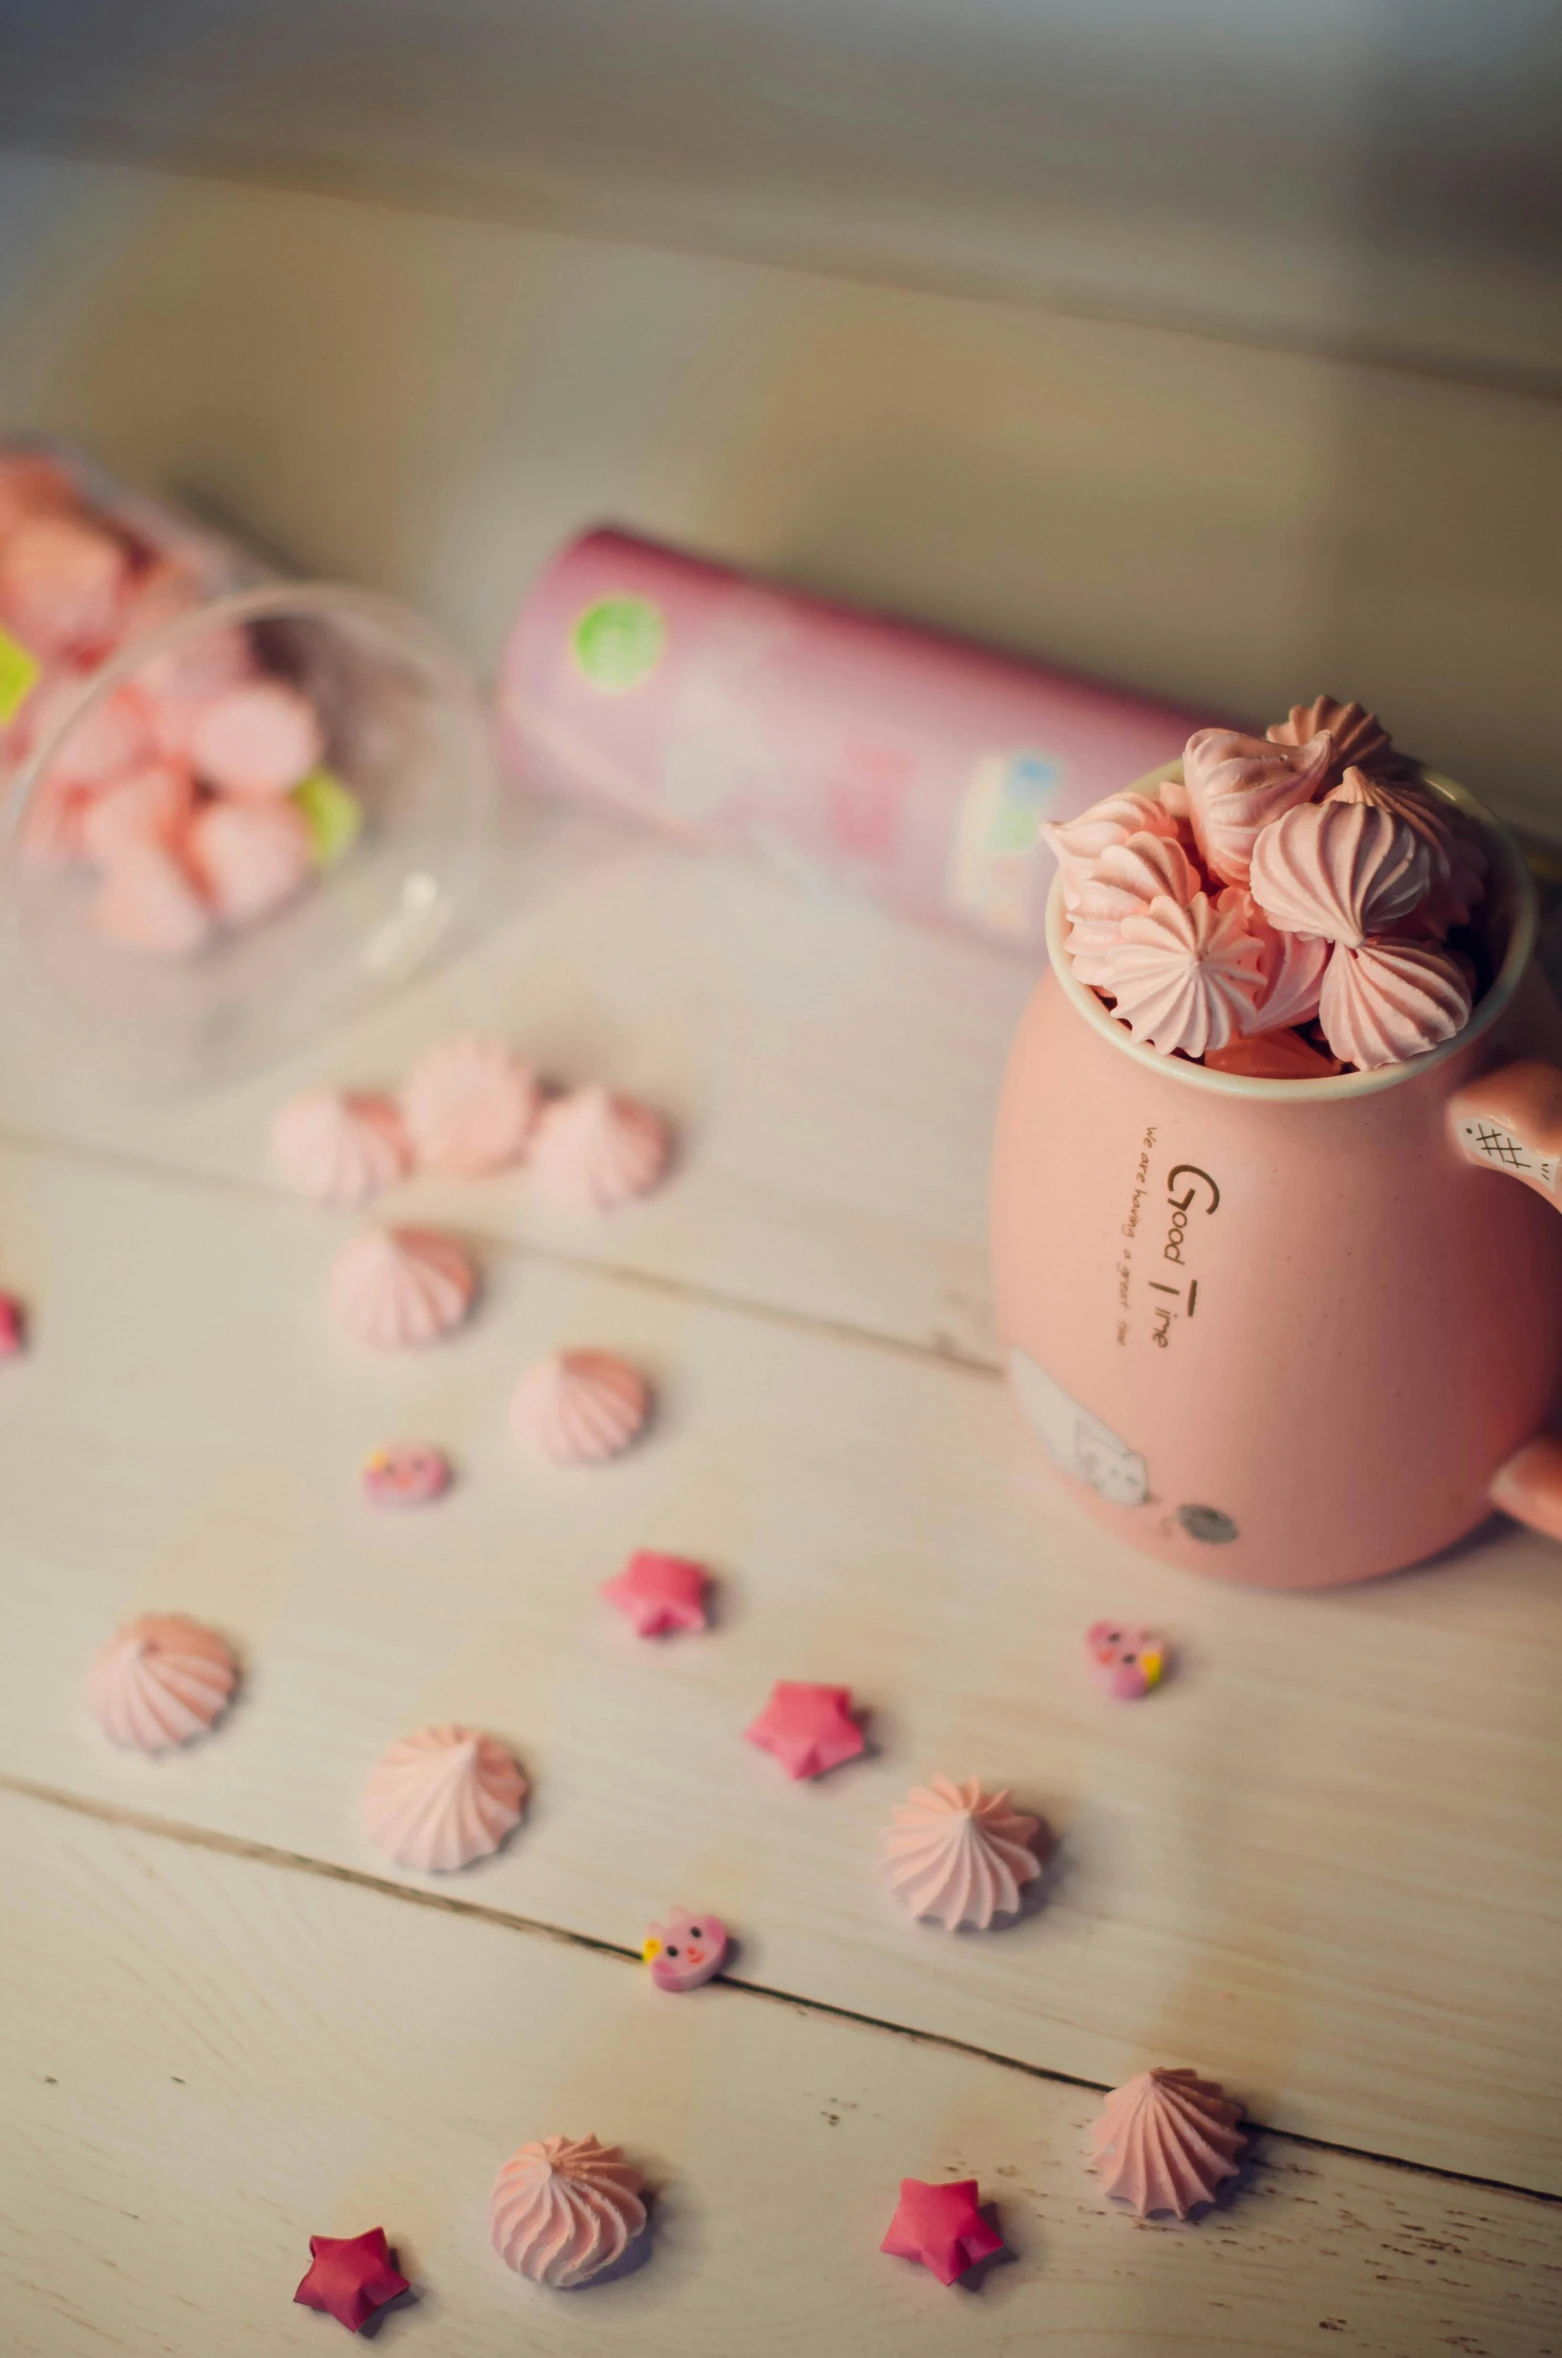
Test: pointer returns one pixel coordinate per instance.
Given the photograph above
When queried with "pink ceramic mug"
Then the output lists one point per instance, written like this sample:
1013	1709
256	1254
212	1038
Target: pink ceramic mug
1291	1332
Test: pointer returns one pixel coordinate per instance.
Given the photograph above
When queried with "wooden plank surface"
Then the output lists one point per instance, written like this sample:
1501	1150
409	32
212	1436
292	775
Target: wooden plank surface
832	1070
206	2059
1321	1861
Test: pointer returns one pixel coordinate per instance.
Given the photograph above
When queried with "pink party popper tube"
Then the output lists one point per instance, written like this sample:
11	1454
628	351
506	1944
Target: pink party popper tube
837	745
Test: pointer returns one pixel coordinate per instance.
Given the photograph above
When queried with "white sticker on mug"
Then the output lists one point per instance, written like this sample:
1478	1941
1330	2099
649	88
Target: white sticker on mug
1077	1442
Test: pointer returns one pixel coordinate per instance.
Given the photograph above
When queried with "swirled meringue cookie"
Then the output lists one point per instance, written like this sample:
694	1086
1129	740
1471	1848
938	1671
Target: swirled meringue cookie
1237	786
1457	856
1340	869
594	1151
148	901
1077	844
151	804
958	1854
580	1407
1359	736
1385	1001
1184	980
1165	2141
337	1146
442	1798
469	1106
398	1288
1121	882
564	2209
249	856
1293	963
161	1681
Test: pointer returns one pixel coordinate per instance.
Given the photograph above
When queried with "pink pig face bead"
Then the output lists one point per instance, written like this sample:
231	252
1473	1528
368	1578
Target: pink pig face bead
686	1950
1127	1662
408	1473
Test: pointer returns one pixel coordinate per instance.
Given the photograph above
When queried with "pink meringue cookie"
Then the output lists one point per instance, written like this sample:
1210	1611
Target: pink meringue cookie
1340	869
1293	963
469	1106
1238	785
1458	859
1359	736
442	1798
400	1288
594	1152
958	1854
580	1407
1165	2142
1077	844
147	901
113	735
1121	882
250	857
151	804
260	737
1185	980
1384	1002
162	1681
62	585
338	1146
33	484
185	680
564	2209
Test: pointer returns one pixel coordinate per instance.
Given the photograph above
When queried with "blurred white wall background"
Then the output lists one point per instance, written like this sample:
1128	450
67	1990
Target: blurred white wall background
1211	344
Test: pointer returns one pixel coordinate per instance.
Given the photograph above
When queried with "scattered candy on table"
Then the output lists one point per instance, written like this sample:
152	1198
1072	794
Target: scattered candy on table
564	2209
580	1407
441	1798
350	2276
400	1288
686	1951
13	1327
1127	1662
161	1681
958	1854
1165	2141
942	2227
408	1473
660	1595
809	1729
594	1151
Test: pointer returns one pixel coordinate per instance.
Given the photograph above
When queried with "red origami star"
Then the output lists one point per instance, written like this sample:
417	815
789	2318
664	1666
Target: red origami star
659	1593
942	2227
809	1729
352	2276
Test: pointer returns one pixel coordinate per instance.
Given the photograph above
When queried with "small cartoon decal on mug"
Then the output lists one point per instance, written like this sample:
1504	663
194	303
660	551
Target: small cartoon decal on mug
1077	1442
1492	1143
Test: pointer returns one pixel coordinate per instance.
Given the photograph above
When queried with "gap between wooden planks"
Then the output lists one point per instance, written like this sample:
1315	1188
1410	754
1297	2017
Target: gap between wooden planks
210	2057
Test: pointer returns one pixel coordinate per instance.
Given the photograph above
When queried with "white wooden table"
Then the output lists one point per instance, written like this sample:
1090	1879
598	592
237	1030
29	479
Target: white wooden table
1321	1864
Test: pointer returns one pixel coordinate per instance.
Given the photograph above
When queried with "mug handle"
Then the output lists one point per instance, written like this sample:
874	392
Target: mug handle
1510	1120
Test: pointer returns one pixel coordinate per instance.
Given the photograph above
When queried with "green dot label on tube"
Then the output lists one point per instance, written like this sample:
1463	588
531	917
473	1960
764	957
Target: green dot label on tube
618	642
331	812
19	675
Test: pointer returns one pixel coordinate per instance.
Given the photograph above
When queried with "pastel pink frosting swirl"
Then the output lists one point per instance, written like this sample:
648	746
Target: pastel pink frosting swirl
1293	963
580	1407
338	1147
1185	979
1165	2141
1121	882
469	1106
594	1151
398	1288
439	1799
564	2209
958	1854
1386	1001
1456	854
1341	869
160	1681
1237	786
1359	736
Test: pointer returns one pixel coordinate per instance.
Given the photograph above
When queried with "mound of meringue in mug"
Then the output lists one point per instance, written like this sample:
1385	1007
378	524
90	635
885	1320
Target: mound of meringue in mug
191	792
1297	905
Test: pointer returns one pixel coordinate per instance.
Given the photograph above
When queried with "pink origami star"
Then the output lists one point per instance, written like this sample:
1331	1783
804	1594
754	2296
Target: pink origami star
657	1594
942	2227
351	2276
13	1326
809	1729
